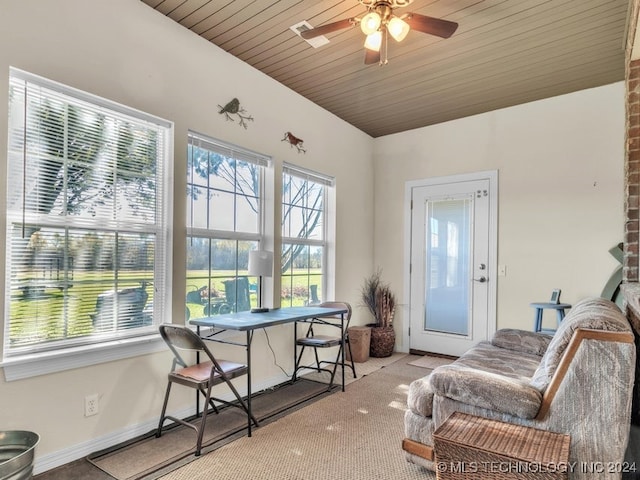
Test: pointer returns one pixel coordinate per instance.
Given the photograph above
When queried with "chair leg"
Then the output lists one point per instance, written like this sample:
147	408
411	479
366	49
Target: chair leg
296	366
164	409
213	405
203	423
335	366
242	402
315	352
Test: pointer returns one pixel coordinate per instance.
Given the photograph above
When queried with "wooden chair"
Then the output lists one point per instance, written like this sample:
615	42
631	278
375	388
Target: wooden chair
200	376
315	341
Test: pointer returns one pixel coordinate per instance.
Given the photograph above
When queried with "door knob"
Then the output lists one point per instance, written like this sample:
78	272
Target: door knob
481	279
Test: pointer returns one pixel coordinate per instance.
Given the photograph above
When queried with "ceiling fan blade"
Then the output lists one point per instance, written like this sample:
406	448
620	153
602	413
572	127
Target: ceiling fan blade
434	26
328	28
371	57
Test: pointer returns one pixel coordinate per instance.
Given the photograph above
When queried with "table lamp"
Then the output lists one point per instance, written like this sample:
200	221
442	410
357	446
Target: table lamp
260	265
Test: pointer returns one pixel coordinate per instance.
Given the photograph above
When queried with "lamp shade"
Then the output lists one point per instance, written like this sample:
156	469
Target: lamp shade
374	41
398	28
260	263
370	23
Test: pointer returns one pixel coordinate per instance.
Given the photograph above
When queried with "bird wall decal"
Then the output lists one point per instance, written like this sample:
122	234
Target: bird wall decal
234	108
294	141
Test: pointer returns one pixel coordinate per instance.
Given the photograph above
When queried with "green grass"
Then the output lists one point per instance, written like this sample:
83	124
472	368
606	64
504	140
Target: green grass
41	317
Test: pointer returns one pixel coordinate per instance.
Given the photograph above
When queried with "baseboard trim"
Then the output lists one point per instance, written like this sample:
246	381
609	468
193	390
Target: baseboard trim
43	463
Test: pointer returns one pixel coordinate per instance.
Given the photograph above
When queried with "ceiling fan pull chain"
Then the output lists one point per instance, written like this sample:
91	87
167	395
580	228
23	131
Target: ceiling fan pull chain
386	46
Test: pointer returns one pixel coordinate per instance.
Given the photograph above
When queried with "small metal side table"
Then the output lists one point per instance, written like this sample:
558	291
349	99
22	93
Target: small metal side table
540	306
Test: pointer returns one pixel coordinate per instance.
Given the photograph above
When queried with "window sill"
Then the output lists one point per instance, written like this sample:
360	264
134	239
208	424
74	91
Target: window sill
18	368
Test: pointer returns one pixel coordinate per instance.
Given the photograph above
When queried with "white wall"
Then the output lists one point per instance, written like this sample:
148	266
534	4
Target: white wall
560	164
124	51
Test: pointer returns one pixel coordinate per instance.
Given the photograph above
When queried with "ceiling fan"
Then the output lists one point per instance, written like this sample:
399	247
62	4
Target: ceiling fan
379	22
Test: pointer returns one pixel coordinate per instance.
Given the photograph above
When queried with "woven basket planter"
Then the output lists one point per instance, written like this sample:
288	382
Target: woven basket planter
383	340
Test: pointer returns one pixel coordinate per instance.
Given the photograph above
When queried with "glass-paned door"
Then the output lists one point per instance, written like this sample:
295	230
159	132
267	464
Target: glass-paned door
450	257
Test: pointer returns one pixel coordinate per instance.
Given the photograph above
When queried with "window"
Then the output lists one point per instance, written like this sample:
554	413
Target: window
224	222
87	218
304	236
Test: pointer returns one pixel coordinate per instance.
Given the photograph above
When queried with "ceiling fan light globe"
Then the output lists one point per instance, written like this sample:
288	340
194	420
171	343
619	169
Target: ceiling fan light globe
370	23
374	41
398	28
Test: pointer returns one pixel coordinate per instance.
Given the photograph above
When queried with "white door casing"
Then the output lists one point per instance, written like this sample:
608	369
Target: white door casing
451	232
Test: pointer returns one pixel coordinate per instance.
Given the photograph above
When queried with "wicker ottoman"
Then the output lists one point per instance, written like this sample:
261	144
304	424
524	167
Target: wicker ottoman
470	447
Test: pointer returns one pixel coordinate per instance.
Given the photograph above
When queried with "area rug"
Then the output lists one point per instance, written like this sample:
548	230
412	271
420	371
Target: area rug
149	458
362	369
431	362
355	435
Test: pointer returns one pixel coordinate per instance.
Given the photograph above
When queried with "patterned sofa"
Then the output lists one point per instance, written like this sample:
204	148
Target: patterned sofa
578	381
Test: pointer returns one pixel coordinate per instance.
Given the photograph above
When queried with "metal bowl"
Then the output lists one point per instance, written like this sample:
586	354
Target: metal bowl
17	449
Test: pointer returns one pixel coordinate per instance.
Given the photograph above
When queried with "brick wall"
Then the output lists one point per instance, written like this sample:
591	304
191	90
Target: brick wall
632	174
630	271
631	268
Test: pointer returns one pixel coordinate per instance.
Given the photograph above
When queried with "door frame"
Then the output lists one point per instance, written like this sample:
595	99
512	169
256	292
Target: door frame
492	266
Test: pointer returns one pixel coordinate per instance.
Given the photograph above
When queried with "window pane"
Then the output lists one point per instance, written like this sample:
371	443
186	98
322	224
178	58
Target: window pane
222	172
197	208
217	277
223	191
221	210
448	263
86	238
302	209
248	219
303	232
315	229
64	282
198	164
302	277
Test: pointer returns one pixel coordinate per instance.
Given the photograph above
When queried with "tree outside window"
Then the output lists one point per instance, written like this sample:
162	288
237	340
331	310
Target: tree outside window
304	199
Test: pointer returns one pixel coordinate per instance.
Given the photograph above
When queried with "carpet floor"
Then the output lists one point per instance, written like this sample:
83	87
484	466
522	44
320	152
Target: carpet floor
352	435
431	362
355	435
149	457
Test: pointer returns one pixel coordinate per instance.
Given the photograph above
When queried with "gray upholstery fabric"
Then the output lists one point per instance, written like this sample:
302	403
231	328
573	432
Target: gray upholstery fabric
522	341
420	429
486	376
420	397
489	358
592	404
595	313
486	390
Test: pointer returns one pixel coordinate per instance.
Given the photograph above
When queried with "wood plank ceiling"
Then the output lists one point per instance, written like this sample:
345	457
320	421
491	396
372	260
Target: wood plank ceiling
505	52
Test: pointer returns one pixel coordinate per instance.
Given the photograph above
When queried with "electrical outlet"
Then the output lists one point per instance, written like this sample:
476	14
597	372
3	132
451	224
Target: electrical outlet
91	405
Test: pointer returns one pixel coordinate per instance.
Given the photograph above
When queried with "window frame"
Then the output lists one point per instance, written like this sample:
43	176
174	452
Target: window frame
329	221
69	354
264	163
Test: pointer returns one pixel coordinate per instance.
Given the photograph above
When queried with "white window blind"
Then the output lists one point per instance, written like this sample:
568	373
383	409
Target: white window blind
87	218
310	175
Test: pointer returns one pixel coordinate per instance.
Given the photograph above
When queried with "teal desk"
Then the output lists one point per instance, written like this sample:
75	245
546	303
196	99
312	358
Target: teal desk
249	322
